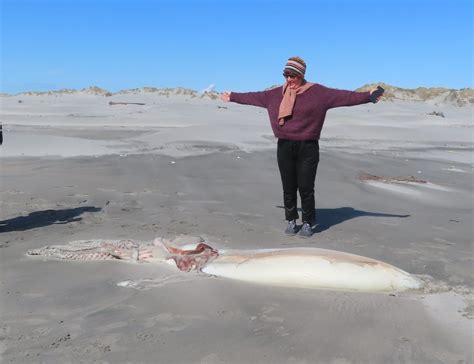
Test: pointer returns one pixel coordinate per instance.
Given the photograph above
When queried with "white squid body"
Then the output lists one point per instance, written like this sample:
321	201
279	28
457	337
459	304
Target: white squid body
311	268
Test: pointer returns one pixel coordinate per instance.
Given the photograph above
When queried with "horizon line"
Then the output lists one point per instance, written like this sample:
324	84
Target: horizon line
43	90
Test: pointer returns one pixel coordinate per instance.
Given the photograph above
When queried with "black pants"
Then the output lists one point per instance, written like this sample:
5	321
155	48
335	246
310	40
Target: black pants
298	162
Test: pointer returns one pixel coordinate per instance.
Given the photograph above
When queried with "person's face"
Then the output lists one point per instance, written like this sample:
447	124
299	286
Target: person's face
294	81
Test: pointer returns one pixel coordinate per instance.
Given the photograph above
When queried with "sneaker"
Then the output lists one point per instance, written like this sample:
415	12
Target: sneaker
306	230
292	228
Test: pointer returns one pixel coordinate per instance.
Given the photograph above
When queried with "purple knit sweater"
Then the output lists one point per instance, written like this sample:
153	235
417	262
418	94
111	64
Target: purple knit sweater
309	111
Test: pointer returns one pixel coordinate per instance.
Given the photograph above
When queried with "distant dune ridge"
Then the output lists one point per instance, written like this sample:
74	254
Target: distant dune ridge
438	95
435	95
98	91
92	90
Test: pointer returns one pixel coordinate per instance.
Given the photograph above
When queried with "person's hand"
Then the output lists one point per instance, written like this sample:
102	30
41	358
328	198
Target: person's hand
378	97
225	96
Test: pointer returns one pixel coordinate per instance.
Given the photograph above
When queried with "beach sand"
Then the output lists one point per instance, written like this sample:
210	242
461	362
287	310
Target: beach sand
73	167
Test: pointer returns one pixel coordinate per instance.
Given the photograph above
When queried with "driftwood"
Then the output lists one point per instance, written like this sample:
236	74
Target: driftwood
125	103
403	179
437	113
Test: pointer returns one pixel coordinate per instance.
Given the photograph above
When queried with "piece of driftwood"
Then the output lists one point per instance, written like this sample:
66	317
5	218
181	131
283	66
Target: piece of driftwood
125	103
437	113
372	177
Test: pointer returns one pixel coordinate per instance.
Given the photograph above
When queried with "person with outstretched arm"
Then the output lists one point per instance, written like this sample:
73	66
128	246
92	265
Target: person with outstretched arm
297	111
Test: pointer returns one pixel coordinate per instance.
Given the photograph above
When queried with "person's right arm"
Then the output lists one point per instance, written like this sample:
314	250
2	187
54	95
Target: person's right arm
259	98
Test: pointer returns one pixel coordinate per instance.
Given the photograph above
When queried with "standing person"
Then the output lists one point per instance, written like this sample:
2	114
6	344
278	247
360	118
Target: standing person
297	110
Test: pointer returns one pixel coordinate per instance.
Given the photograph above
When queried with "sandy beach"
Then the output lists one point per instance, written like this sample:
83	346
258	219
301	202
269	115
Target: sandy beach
74	167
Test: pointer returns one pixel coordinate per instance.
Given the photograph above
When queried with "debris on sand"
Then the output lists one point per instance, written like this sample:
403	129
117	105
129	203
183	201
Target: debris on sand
125	103
402	179
437	113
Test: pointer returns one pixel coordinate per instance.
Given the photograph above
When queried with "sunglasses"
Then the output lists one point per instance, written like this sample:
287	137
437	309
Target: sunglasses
289	75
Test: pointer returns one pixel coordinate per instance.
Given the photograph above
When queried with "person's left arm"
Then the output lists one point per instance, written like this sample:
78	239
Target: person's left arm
338	98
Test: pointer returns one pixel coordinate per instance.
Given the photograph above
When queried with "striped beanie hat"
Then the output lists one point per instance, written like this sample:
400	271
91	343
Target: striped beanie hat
295	65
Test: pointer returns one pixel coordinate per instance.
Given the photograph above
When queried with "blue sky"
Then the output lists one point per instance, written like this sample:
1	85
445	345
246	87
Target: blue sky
235	45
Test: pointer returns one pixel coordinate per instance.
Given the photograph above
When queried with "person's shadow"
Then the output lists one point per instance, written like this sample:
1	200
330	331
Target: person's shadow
325	218
44	218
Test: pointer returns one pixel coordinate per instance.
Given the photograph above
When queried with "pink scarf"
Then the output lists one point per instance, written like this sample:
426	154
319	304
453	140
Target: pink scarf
288	102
